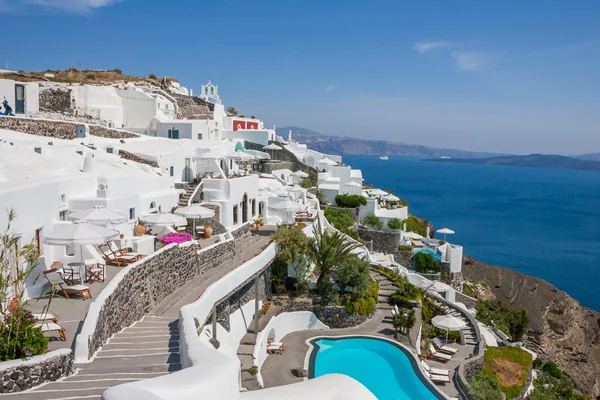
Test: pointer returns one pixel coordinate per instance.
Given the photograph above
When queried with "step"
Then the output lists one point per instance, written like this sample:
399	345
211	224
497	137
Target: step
387	292
78	394
252	385
383	306
247	361
133	345
245	349
134	369
247	376
122	362
384	298
249	338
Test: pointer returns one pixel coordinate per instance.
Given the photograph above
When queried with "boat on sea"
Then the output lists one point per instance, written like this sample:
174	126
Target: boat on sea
445	157
384	158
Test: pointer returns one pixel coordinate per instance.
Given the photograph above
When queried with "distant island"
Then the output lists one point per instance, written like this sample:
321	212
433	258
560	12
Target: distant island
532	160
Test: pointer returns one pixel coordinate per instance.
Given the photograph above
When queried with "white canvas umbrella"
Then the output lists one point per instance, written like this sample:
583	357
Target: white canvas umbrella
449	323
411	235
326	161
98	215
378	193
300	174
272	147
165	219
79	233
445	231
390	197
195	211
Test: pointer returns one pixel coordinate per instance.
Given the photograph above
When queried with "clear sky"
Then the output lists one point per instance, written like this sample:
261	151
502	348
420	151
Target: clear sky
507	76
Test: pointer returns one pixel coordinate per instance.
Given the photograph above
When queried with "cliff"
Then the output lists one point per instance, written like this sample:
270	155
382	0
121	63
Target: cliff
559	327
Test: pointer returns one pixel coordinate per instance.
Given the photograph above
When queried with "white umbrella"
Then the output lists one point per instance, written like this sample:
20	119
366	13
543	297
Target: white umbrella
326	161
240	156
79	233
445	231
390	197
300	174
195	211
272	146
449	323
98	215
411	235
165	219
378	193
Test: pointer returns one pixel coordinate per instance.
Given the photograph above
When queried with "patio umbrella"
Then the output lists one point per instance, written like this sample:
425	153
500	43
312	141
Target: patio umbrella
195	211
390	197
378	193
165	219
300	174
272	147
449	323
445	231
326	161
98	215
79	233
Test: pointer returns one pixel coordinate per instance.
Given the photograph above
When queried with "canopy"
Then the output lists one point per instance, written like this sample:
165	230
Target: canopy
272	146
79	233
326	161
448	322
195	211
98	215
286	205
390	197
239	155
165	219
300	174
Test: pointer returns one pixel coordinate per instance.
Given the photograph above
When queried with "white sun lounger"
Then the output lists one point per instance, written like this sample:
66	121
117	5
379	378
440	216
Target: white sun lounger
47	326
446	349
437	378
438	355
434	371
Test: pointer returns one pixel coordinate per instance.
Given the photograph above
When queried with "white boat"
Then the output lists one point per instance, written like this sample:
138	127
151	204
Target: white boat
384	158
445	157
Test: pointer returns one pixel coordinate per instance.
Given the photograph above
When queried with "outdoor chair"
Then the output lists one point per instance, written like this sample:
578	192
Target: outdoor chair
47	326
437	378
437	355
71	275
95	273
58	284
121	252
112	258
444	349
434	371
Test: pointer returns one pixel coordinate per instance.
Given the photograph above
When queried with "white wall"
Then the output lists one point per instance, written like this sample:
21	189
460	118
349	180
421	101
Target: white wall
228	193
454	254
138	108
100	101
32	96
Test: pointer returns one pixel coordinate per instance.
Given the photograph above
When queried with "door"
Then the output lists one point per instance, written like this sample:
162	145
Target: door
19	99
187	171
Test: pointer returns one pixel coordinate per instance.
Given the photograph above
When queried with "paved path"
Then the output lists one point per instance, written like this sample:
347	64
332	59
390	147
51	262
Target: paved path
148	348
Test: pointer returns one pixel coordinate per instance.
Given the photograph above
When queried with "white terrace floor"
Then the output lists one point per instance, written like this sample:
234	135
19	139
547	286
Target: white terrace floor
147	349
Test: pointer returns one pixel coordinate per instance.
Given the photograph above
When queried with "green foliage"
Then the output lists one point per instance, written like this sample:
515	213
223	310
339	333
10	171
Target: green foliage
453	336
429	310
413	224
350	200
306	183
321	197
405	247
360	306
514	355
549	387
510	319
292	247
404	321
342	220
326	251
484	387
406	293
425	264
537	363
373	222
395	224
552	369
253	370
19	337
152	76
231	111
352	272
279	271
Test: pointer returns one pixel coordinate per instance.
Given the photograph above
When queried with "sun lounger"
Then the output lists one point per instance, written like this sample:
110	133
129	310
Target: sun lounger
121	252
57	282
41	317
438	355
444	349
112	258
48	326
275	349
437	378
434	371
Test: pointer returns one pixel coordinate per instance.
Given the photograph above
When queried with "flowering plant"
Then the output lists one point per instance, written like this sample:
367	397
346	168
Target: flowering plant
176	237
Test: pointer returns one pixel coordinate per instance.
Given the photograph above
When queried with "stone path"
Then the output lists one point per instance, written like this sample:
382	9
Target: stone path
146	349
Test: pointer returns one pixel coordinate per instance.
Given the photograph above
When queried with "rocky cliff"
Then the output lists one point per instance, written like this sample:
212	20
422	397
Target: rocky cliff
559	327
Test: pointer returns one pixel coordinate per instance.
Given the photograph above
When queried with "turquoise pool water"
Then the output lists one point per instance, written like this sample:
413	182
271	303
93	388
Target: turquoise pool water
428	251
379	365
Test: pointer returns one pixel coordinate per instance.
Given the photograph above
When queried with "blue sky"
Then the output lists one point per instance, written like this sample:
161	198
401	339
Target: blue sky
506	76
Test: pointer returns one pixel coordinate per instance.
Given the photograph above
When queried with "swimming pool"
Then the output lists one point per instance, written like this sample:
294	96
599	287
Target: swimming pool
433	253
380	365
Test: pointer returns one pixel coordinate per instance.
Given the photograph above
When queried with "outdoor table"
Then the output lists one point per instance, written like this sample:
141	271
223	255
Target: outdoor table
77	266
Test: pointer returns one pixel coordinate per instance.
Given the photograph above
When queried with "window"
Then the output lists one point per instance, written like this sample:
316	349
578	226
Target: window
63	198
152	205
235	215
158	105
109	150
62	215
199	136
171	171
132	213
173	133
253	207
166	106
38	241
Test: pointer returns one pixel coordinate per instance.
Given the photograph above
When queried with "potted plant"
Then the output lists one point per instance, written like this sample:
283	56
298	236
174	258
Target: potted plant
140	228
208	231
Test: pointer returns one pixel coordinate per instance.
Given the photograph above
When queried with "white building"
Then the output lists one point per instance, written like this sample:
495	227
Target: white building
23	97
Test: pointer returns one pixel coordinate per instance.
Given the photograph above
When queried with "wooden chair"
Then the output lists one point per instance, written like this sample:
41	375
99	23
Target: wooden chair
121	252
439	356
95	273
58	284
111	258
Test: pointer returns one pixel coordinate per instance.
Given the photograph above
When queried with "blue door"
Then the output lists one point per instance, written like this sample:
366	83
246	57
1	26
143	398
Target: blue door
19	99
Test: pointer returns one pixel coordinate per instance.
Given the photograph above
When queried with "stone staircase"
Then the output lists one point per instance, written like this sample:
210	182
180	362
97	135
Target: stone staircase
468	331
147	349
386	289
189	192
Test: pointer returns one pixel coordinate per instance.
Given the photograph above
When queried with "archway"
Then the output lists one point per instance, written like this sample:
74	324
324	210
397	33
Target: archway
245	208
261	208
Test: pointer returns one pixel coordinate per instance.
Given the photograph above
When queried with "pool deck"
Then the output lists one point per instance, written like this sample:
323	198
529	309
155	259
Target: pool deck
276	368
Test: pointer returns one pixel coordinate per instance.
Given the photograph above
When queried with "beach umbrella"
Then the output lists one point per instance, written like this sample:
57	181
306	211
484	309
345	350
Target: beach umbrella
390	197
165	219
378	193
449	323
195	211
98	215
445	231
326	161
300	174
272	147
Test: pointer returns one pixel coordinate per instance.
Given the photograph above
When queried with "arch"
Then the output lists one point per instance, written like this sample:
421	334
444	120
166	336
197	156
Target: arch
261	208
253	207
245	208
152	205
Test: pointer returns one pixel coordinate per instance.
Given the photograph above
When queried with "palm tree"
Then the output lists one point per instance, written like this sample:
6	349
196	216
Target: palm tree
326	251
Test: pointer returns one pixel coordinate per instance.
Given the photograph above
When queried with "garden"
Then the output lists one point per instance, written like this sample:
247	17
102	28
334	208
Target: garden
501	315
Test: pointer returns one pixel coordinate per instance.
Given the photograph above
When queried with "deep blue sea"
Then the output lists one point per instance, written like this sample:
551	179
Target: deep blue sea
540	221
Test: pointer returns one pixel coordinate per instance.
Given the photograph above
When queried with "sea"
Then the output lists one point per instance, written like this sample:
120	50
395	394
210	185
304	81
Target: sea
543	222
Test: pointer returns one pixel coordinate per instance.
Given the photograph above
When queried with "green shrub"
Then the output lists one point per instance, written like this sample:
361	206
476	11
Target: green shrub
152	76
413	224
19	337
342	220
253	370
537	363
406	293
425	264
453	336
373	222
405	247
485	387
394	224
430	310
506	317
306	183
350	200
552	369
360	306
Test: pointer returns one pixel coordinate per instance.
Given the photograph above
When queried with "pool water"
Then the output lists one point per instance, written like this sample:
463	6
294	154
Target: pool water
433	253
380	366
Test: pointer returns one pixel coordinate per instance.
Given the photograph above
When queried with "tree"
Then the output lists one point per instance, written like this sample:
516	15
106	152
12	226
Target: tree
373	222
342	220
353	272
306	183
321	197
326	251
425	264
395	224
152	76
292	247
517	322
231	111
350	200
484	387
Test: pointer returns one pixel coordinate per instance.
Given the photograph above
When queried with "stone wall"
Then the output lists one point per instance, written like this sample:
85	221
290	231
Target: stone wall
38	127
241	232
466	370
193	107
403	258
56	99
132	157
335	317
36	371
110	133
216	225
146	285
382	241
216	208
468	301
